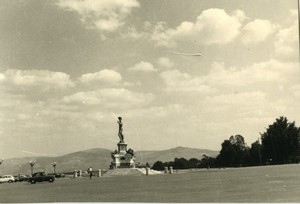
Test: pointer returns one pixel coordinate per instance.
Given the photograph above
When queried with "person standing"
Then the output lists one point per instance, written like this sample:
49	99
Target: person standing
90	170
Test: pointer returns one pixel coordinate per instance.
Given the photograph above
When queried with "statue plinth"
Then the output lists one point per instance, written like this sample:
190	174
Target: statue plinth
122	147
122	158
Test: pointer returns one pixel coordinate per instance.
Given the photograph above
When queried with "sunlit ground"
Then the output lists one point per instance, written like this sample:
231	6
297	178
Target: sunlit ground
255	184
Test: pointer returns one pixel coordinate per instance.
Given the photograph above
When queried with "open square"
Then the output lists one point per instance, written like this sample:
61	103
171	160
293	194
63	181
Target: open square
253	184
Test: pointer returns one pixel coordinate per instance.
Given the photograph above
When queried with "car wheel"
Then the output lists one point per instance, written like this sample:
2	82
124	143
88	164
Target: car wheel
32	181
10	181
51	180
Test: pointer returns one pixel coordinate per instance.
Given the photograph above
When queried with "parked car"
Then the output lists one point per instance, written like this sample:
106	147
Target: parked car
7	178
58	175
21	178
40	177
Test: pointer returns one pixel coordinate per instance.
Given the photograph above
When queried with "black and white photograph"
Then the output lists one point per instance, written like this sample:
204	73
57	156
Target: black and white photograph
149	101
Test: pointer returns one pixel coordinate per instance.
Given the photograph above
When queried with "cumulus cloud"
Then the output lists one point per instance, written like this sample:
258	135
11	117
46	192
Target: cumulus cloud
212	26
37	78
269	72
109	98
177	81
106	15
165	62
103	76
263	75
257	31
142	67
162	36
215	26
287	40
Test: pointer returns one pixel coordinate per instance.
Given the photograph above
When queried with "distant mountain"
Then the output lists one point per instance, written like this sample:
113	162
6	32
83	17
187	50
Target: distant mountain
98	158
170	154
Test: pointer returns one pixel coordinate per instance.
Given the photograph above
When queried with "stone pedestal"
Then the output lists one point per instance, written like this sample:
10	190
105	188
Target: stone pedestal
166	170
147	170
122	158
122	147
75	173
171	170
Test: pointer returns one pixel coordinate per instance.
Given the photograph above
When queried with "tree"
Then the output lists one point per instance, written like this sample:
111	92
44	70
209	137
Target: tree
158	165
241	149
181	163
194	163
234	152
255	156
227	154
281	142
205	161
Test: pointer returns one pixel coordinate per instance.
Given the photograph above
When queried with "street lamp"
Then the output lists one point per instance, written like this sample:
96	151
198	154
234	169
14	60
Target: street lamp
54	166
32	163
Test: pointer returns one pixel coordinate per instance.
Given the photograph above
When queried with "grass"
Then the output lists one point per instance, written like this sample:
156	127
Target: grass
253	184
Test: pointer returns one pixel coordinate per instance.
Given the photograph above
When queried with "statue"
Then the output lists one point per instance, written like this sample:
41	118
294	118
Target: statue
120	134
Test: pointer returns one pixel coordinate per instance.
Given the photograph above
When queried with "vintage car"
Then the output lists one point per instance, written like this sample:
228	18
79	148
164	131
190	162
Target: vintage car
21	178
58	175
40	177
7	178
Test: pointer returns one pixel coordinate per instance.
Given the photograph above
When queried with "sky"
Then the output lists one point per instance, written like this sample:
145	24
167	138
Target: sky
180	73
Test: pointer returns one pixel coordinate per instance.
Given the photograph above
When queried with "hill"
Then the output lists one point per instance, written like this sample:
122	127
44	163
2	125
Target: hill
170	154
98	158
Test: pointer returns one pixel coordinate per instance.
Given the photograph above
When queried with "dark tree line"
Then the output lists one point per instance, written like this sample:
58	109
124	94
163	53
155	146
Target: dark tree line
280	144
182	163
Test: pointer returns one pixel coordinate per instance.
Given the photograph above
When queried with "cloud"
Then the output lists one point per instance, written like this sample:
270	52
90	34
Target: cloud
104	76
162	36
107	15
259	74
142	67
212	26
109	98
177	81
257	31
215	26
132	33
165	62
287	40
36	78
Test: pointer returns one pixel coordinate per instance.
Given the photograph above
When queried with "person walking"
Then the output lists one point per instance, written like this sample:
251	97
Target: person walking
90	170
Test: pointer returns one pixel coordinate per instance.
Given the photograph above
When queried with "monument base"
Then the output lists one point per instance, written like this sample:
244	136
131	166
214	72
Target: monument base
122	158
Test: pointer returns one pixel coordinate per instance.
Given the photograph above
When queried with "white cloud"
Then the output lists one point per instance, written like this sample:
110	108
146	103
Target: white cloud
37	78
257	31
271	72
287	40
165	62
105	15
142	67
162	36
132	33
110	98
105	76
213	26
177	81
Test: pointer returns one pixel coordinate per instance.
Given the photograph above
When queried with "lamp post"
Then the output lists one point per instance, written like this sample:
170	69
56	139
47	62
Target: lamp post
32	163
54	166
